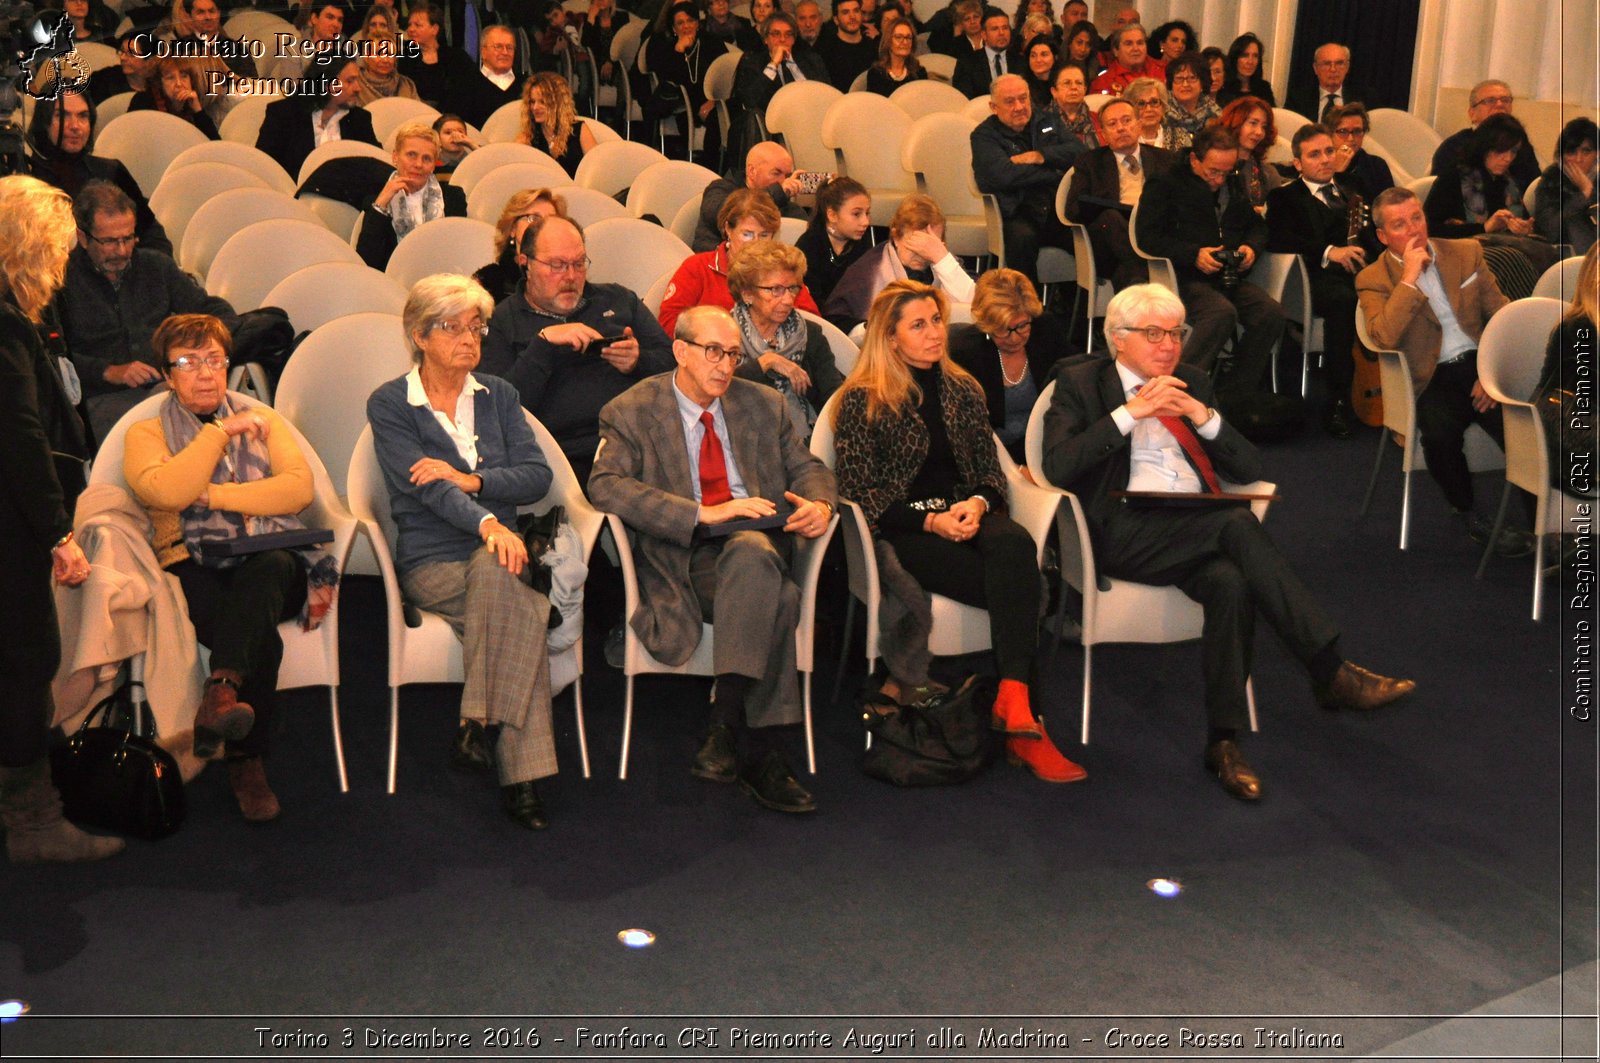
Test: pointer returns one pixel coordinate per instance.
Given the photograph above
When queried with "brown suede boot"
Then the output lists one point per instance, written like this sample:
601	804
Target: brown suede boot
36	832
222	716
249	781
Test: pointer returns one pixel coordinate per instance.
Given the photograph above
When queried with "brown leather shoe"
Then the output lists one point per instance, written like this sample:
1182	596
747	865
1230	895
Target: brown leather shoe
1224	760
222	717
1359	690
256	799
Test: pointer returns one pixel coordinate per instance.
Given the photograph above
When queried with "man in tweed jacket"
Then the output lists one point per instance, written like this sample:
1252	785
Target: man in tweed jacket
658	470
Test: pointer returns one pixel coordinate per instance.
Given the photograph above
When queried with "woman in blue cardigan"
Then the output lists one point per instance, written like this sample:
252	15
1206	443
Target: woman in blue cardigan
459	457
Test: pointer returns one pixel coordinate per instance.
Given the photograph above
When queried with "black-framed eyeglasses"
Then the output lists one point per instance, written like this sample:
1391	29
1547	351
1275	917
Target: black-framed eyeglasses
214	363
108	242
1155	333
1350	134
715	352
576	265
455	329
1012	330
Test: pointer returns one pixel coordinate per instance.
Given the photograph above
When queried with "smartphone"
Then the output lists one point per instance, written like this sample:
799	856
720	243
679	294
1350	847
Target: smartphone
606	341
811	180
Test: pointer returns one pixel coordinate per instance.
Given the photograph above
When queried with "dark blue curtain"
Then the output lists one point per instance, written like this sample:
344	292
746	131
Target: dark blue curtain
1381	36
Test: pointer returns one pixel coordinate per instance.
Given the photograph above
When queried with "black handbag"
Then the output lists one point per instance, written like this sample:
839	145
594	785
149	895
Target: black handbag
937	742
1569	435
113	776
539	535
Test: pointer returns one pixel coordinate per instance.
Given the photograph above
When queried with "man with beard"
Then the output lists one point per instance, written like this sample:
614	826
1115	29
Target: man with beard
567	345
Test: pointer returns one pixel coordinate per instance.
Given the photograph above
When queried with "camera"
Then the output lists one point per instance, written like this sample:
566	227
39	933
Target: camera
1232	263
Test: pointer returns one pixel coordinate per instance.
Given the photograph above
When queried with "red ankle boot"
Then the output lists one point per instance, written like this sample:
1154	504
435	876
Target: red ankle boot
1012	714
1043	759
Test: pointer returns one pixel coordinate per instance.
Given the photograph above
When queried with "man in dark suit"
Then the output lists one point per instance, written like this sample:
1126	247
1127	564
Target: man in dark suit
1331	63
1006	163
1311	218
1486	98
681	453
494	85
292	127
1192	214
762	72
976	70
1106	183
1143	422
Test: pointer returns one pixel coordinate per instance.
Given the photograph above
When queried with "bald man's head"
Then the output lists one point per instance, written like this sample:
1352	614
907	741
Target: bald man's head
767	164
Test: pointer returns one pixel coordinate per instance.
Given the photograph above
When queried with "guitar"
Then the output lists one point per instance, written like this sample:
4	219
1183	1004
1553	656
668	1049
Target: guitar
1366	387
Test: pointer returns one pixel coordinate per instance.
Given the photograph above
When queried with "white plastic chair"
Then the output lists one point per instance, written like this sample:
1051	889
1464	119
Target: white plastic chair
686	222
867	134
1162	271
480	162
263	253
790	230
937	151
242	123
504	125
978	109
1400	417
919	98
624	55
96	55
391	112
488	197
795	113
244	156
1284	277
940	67
326	291
218	219
1560	281
1510	361
1407	137
310	658
1287	122
1531	196
443	245
657	294
662	190
113	108
719	90
1088	280
610	168
1116	610
845	352
336	215
586	206
604	134
262	26
1422	186
146	142
632	252
430	652
182	192
1097	101
340	149
957	628
636	660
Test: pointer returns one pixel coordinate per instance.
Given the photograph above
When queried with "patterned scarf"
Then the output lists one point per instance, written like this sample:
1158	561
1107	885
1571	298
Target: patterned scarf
1482	195
1080	125
789	342
407	210
246	459
1182	125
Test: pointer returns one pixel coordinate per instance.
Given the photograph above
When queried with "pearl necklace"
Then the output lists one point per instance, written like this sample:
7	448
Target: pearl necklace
1008	381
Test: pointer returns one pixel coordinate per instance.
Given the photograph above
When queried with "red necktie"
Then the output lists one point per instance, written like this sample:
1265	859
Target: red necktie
713	469
1187	440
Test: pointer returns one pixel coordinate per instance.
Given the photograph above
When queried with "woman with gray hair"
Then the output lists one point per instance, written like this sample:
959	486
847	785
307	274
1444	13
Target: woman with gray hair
459	457
781	348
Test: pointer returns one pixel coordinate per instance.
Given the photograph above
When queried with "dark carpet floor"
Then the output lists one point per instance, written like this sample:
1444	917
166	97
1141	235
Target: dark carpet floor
1405	866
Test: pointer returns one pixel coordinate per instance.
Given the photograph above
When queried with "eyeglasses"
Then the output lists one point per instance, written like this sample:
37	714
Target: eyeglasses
1148	103
1185	79
1012	330
1498	101
1350	133
112	241
1155	333
455	329
778	291
715	352
214	363
577	265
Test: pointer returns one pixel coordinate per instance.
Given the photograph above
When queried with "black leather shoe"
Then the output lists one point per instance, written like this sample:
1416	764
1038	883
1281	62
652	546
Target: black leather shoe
1358	690
470	751
1338	420
716	761
774	786
523	805
1224	760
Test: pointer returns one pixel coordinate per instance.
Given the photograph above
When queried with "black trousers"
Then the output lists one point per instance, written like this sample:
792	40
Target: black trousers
1333	298
236	612
1223	559
1114	257
1444	413
30	652
994	570
1214	315
1031	226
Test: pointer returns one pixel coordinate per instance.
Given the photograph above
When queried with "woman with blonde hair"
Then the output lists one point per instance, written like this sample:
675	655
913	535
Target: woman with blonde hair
379	77
503	276
915	250
550	121
1009	350
1149	99
36	234
781	348
916	454
1568	359
411	197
